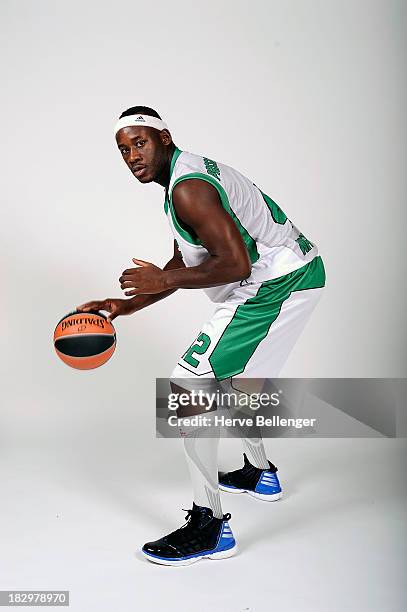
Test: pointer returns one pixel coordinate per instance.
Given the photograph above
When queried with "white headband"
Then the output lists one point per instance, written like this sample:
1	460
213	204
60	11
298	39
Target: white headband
145	120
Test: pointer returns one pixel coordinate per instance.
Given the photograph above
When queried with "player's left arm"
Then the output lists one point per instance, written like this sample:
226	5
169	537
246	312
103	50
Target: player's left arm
199	209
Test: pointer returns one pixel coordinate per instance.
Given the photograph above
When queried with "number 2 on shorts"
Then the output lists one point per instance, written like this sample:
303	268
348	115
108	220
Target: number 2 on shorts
199	347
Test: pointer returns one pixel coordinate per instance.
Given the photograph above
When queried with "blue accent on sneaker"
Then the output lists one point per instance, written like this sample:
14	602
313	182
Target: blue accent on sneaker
268	483
226	539
259	483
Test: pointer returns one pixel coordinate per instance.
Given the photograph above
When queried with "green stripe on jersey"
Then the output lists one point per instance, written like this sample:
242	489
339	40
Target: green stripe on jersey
252	320
248	240
174	158
177	152
278	215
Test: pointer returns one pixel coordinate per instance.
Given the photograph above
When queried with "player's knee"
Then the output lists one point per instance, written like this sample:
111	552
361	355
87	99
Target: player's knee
193	395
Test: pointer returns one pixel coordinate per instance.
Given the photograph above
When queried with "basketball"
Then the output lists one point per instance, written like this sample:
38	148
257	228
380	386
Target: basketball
84	340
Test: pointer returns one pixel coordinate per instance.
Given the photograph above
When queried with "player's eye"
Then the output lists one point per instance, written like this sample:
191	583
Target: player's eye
124	151
140	143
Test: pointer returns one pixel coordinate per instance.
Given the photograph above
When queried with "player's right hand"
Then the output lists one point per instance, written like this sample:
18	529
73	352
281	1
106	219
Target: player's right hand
114	306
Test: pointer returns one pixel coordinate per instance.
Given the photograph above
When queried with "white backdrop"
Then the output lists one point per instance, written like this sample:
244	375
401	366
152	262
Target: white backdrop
307	98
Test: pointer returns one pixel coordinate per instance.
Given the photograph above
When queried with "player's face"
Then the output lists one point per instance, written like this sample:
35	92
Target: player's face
144	150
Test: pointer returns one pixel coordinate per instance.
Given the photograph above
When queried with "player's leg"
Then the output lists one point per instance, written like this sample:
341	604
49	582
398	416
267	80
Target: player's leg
253	446
201	445
255	452
258	476
277	316
207	533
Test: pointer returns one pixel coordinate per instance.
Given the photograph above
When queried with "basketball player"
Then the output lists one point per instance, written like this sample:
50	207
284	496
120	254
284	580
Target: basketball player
265	277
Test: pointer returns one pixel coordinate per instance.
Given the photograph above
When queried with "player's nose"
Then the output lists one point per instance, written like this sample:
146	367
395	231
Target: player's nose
134	154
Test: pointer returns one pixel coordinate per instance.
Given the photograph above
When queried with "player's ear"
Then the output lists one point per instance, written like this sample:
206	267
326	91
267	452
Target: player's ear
166	137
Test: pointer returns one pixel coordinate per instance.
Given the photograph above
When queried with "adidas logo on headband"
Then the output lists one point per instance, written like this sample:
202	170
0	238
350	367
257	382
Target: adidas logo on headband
132	120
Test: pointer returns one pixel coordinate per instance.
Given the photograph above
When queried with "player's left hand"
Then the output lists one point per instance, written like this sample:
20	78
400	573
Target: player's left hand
147	278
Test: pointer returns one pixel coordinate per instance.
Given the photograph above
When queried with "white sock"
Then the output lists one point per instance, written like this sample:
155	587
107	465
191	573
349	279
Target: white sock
253	446
255	451
202	458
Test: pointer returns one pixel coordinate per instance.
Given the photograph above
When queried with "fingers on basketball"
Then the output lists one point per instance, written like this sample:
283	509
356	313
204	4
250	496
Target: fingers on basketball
97	305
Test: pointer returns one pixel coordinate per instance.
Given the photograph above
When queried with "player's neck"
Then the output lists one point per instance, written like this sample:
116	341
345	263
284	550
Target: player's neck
163	178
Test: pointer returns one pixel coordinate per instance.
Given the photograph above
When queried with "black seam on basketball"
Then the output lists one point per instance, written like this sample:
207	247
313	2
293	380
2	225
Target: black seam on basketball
84	346
86	357
82	335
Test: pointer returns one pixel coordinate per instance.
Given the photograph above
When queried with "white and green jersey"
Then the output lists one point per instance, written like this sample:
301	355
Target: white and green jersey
275	246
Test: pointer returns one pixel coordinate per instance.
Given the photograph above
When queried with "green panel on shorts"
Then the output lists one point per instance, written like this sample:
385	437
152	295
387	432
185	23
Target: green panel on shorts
252	320
248	240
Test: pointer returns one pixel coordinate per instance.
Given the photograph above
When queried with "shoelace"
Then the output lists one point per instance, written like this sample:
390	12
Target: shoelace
183	531
191	513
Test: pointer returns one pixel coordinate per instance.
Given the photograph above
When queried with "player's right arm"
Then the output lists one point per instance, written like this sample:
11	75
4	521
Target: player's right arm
118	307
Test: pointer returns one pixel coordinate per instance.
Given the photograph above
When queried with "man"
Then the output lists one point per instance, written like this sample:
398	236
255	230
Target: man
233	241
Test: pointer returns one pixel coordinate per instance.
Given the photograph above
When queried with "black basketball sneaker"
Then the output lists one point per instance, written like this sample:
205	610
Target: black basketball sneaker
261	484
202	537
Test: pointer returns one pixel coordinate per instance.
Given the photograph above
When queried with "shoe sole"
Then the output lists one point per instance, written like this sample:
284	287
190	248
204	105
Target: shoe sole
262	496
222	554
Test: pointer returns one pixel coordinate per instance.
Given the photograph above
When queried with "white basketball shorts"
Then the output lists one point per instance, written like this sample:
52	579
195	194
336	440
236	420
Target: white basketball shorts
251	334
